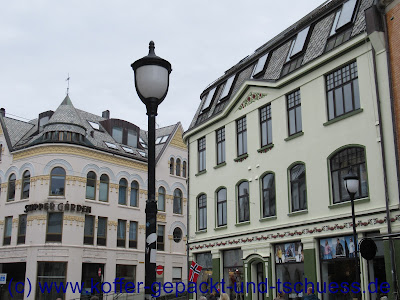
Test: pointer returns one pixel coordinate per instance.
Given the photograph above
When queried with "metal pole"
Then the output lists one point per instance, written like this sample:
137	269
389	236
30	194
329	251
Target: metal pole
357	261
151	205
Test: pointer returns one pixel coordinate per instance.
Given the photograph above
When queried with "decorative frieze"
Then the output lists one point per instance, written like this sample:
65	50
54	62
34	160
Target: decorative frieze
251	98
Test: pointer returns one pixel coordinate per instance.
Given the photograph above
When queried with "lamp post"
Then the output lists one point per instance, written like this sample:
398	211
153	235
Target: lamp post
351	183
151	83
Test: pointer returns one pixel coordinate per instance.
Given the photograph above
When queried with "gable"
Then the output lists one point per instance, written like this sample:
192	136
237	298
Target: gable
177	140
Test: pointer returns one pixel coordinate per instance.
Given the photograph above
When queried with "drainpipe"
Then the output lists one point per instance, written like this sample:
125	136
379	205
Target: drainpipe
187	217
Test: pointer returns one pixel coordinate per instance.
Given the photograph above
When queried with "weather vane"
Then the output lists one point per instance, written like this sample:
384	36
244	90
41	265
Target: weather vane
68	84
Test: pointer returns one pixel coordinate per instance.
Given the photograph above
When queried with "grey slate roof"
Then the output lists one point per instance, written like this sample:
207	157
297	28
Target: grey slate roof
16	129
320	19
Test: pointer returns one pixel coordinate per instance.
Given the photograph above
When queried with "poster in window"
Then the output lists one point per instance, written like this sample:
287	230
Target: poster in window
289	253
337	247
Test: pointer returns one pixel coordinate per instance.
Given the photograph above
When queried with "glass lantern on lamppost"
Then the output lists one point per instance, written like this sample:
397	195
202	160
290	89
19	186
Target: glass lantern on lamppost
351	183
151	82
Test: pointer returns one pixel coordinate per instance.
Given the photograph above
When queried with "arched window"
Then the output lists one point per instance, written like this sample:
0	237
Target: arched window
57	182
26	184
91	185
341	163
134	201
123	184
171	166
221	207
243	202
268	195
177	201
178	167
11	188
202	212
298	190
177	234
103	190
161	199
184	169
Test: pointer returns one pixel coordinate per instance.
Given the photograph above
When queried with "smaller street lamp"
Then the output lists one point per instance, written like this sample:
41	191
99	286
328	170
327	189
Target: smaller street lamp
351	183
151	82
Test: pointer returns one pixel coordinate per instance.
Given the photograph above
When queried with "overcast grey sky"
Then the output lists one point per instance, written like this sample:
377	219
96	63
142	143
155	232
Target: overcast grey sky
41	41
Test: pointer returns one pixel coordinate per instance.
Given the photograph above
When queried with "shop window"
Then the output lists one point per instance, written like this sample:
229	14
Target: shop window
26	184
202	212
54	227
102	231
134	199
177	235
298	190
171	166
123	184
243	202
241	136
121	234
177	201
128	273
294	112
57	182
184	169
268	195
51	273
161	199
205	275
178	167
266	125
7	231
201	153
233	272
88	236
220	134
221	207
160	237
103	190
90	277
348	159
176	274
91	185
376	268
133	230
11	188
21	229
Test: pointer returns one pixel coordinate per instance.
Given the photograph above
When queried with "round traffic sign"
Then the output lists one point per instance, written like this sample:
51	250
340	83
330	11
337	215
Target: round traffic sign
160	270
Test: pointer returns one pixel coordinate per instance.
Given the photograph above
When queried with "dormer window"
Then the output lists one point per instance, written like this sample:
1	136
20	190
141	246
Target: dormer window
298	43
227	87
132	138
259	66
94	125
117	134
128	150
111	145
208	99
162	139
346	16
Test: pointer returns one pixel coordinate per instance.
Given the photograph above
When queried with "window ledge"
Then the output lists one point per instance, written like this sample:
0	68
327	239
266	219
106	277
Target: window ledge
265	148
177	215
17	201
220	227
130	207
97	202
243	223
56	197
241	158
220	165
348	203
294	136
176	176
201	231
345	116
299	212
265	219
201	173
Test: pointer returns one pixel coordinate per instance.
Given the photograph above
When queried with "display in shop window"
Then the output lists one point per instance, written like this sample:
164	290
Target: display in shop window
289	252
337	247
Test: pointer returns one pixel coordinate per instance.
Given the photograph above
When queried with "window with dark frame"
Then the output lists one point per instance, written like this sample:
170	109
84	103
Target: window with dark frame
7	231
127	274
91	185
161	199
268	196
26	184
133	230
353	159
298	190
121	234
241	131
102	231
54	227
103	189
202	212
343	95
266	125
123	186
178	167
220	133
160	237
184	169
171	166
11	188
177	205
88	235
21	229
57	182
201	143
243	202
134	197
221	208
294	112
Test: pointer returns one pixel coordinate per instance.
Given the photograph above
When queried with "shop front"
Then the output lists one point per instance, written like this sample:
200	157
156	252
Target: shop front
233	274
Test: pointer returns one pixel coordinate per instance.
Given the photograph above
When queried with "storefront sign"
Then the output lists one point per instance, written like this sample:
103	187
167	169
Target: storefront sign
3	278
58	207
289	252
337	247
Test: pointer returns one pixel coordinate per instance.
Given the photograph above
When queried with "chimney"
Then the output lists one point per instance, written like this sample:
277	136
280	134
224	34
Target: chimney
106	114
2	112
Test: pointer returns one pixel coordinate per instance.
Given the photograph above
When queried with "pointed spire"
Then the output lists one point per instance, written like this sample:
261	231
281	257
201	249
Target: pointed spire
67	101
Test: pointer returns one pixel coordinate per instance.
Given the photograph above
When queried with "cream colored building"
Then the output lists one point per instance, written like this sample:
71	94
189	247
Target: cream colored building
72	202
269	146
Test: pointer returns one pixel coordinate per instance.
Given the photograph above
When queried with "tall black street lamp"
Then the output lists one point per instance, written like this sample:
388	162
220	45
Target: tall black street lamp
151	82
351	183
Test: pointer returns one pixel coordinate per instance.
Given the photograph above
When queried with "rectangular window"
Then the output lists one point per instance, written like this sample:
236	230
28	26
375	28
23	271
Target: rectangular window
51	273
202	153
54	227
220	145
88	235
7	231
117	134
133	234
21	229
207	101
227	87
241	129
343	94
128	273
266	125
347	13
176	274
294	112
260	65
121	233
160	237
299	42
102	231
132	138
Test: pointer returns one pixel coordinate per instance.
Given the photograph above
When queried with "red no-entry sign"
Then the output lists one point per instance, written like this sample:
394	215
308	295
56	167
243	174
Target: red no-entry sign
160	270
99	272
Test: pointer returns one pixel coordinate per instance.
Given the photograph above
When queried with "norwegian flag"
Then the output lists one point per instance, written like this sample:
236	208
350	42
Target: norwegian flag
194	271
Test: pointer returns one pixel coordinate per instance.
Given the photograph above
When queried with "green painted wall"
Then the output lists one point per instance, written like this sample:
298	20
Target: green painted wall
310	265
216	269
388	264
